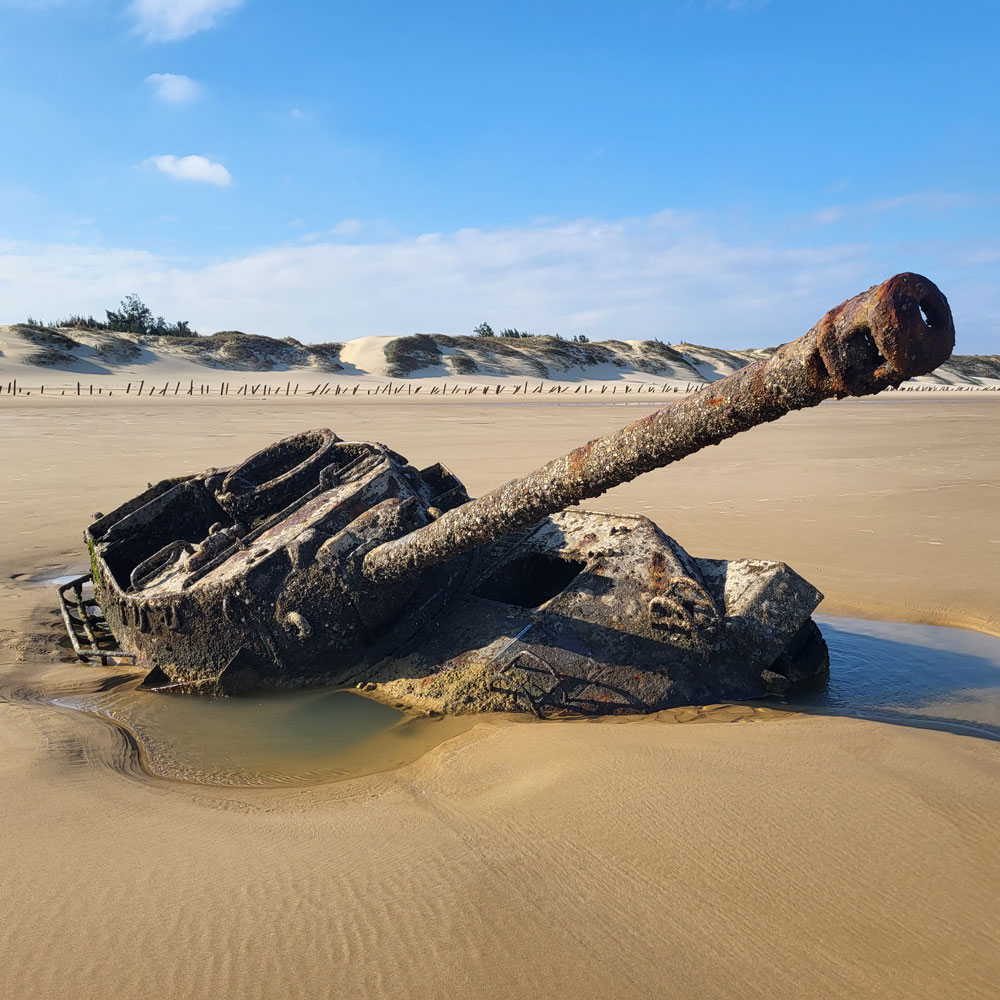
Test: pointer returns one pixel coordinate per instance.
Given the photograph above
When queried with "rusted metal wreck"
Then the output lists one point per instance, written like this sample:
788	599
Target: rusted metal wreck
319	560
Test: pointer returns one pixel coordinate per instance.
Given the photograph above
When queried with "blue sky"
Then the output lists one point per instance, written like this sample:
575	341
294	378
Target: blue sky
721	172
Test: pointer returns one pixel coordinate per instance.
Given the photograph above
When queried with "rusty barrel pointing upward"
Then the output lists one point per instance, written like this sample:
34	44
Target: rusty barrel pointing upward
892	332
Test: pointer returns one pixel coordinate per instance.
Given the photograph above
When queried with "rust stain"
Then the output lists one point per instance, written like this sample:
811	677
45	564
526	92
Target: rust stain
576	460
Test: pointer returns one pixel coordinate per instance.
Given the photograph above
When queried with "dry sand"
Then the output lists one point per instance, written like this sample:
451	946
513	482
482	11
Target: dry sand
804	857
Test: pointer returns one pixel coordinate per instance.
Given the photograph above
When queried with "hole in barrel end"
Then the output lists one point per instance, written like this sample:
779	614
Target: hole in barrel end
929	313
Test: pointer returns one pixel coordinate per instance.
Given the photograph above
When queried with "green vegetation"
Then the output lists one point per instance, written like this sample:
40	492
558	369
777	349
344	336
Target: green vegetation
253	352
117	350
54	348
77	322
325	357
134	316
406	355
512	333
462	364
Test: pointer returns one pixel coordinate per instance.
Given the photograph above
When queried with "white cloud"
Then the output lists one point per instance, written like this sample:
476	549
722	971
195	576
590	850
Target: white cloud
174	88
170	20
347	227
665	275
192	168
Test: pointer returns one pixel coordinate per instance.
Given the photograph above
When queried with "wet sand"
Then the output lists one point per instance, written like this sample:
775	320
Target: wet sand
798	856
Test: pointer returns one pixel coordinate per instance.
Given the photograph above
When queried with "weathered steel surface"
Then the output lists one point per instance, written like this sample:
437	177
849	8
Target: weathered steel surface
583	613
324	561
591	614
892	332
209	602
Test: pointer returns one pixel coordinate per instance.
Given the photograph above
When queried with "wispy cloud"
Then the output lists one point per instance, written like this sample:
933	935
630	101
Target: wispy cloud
171	20
192	168
918	202
174	88
926	201
829	215
667	275
737	6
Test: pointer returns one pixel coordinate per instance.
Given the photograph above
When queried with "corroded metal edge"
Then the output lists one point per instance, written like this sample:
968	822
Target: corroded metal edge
86	646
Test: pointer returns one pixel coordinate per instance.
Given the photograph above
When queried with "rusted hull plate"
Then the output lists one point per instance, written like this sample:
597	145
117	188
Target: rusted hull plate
250	577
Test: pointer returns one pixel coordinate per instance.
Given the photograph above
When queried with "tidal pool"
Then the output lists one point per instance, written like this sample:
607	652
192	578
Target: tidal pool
272	738
946	678
909	674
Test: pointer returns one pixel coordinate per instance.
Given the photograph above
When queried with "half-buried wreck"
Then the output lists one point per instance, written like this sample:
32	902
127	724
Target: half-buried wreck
322	561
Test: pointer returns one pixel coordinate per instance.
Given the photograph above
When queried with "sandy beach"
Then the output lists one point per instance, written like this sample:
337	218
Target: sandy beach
781	856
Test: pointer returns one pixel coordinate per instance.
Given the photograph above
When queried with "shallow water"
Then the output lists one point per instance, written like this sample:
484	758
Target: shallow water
48	580
923	674
272	738
911	674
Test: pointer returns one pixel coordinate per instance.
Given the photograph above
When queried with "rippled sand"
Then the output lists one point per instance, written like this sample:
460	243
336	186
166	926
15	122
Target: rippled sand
778	856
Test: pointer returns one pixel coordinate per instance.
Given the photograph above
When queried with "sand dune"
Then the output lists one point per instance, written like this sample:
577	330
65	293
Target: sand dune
806	857
37	356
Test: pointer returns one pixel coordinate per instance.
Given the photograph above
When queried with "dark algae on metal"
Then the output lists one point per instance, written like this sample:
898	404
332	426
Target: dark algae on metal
322	561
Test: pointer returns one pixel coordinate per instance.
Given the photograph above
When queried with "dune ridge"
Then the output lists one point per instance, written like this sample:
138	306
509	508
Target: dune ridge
41	354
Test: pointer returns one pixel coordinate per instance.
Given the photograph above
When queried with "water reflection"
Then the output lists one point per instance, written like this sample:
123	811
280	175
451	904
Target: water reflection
925	674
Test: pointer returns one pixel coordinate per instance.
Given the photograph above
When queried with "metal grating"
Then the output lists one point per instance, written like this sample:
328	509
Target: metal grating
91	636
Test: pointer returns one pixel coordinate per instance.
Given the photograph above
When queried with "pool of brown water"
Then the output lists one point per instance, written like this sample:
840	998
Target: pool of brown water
908	674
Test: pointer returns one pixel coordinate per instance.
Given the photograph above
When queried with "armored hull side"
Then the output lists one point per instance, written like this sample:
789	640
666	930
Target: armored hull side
250	577
232	578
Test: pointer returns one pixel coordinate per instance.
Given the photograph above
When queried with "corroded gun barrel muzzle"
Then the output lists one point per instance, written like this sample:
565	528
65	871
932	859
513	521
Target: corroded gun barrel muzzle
893	332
